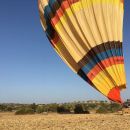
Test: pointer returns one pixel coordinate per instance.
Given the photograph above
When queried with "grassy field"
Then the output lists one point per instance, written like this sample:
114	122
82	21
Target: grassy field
9	121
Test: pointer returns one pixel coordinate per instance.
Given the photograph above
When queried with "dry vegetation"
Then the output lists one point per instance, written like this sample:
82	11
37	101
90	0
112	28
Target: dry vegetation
9	121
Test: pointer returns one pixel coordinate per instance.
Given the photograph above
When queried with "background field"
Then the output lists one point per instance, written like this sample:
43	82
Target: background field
9	121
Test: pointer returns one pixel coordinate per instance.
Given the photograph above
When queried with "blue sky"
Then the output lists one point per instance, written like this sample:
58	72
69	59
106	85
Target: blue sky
30	70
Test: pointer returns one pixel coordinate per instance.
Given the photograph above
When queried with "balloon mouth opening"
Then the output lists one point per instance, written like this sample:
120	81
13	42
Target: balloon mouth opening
114	95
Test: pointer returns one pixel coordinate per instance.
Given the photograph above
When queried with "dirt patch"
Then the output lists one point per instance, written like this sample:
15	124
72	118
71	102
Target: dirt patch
65	122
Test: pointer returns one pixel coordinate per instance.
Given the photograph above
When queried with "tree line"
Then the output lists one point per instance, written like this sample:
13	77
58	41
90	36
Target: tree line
65	108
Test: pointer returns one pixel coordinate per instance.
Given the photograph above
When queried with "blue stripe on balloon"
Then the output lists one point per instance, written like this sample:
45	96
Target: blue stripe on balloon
50	30
51	2
99	57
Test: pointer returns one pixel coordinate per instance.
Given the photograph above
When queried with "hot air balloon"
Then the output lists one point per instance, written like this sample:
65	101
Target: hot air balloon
87	35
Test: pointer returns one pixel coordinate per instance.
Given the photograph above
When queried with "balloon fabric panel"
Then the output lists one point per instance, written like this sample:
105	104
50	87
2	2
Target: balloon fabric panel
87	35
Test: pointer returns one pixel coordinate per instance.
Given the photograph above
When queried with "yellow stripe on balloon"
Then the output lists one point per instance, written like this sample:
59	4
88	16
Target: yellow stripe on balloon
64	54
71	43
104	83
89	34
93	2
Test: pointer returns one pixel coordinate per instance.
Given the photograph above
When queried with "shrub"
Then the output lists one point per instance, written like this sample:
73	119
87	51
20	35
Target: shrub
79	109
62	110
114	107
33	107
24	111
102	110
39	109
10	109
42	108
3	107
91	106
52	107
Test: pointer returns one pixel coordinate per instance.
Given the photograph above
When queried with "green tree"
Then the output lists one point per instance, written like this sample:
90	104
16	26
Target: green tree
40	109
3	107
33	107
62	109
80	110
114	107
9	108
53	107
24	111
102	110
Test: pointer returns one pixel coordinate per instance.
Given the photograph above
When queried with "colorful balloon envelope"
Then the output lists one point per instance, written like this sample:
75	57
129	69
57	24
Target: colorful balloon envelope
87	35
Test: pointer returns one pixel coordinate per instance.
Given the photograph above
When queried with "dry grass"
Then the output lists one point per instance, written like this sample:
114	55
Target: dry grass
9	121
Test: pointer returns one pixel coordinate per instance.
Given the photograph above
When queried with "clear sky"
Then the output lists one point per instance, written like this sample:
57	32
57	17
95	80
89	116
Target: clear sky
30	70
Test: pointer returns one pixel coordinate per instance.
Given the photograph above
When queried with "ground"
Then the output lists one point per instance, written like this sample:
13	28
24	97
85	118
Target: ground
9	121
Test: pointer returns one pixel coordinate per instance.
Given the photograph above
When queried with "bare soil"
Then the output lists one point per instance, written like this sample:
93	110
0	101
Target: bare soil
9	121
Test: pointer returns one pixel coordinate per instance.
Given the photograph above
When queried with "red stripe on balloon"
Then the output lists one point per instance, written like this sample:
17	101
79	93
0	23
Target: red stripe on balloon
55	39
65	5
114	95
59	13
105	63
